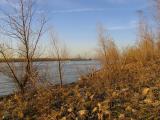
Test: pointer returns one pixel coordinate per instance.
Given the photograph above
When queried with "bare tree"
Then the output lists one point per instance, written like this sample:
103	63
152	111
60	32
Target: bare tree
107	49
18	25
60	53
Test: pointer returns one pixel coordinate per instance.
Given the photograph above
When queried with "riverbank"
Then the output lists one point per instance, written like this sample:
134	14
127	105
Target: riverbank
85	100
123	93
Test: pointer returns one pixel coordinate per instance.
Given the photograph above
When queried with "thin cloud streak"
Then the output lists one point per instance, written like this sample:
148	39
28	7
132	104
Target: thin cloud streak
79	10
132	24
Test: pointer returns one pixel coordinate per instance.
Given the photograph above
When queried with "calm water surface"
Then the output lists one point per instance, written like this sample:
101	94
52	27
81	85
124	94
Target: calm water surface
72	70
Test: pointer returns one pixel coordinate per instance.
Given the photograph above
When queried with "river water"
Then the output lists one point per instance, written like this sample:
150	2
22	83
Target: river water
72	70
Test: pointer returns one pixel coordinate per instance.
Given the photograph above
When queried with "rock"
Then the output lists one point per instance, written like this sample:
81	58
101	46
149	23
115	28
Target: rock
70	110
128	108
80	78
124	90
91	97
83	112
115	94
145	91
134	111
99	106
121	116
94	110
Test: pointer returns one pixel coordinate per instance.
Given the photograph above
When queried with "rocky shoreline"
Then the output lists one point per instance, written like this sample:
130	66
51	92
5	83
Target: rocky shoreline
78	101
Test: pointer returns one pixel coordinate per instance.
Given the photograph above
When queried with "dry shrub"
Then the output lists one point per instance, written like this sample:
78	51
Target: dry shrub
30	105
136	64
146	49
110	57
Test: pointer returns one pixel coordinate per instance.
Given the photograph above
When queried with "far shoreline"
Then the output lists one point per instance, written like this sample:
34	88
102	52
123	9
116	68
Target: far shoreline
46	59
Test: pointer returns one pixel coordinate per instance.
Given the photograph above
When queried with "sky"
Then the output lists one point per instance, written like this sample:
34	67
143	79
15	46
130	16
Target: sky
76	21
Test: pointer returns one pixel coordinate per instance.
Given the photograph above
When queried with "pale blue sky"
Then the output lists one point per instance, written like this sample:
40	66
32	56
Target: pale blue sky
76	20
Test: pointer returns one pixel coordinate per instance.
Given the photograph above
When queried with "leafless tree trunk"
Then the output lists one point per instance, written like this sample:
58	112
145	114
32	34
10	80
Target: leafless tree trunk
19	26
15	78
60	53
107	48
